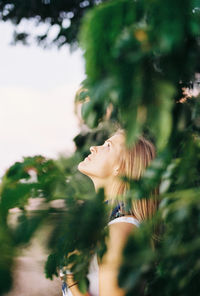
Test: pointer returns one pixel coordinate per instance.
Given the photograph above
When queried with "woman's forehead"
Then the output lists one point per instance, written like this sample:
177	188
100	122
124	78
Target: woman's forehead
117	139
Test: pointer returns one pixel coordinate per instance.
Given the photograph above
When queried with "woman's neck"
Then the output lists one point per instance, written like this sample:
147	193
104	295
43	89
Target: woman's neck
107	184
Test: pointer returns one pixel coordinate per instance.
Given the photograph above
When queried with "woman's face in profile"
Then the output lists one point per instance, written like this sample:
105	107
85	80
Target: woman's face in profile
104	160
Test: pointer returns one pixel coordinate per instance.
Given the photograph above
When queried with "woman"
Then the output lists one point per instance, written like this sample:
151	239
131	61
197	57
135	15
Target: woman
105	166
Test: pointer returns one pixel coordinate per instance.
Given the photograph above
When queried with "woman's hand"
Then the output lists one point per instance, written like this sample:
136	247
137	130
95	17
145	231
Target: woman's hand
67	276
73	286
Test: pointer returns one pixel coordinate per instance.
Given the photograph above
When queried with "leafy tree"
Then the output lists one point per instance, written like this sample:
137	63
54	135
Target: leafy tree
139	56
65	15
150	52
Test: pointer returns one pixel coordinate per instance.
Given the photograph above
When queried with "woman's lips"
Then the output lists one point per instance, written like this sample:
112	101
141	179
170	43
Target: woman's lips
88	157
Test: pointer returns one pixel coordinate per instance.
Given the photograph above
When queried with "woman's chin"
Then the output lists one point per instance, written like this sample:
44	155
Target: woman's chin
82	168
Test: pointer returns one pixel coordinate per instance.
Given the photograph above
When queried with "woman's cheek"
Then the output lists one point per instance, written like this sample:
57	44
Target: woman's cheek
106	168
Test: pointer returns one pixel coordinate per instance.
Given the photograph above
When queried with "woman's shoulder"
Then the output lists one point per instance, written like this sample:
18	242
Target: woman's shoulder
119	230
125	219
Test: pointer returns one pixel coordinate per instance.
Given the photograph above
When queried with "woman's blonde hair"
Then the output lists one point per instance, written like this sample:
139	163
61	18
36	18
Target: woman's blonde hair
132	164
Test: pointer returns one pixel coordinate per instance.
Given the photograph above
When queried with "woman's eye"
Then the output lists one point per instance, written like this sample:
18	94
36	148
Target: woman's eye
107	144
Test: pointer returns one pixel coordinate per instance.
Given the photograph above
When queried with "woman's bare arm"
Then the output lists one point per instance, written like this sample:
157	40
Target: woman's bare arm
109	267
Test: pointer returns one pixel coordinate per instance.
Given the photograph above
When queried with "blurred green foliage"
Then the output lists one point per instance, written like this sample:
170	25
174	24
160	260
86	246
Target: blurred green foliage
137	65
39	177
139	55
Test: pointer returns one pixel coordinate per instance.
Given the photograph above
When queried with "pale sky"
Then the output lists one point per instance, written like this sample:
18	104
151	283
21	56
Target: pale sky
37	89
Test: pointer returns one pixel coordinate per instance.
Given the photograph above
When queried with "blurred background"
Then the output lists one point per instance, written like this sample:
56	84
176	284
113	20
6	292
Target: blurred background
37	90
31	80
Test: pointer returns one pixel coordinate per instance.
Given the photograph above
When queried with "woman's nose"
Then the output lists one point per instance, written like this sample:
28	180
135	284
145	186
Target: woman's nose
93	149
